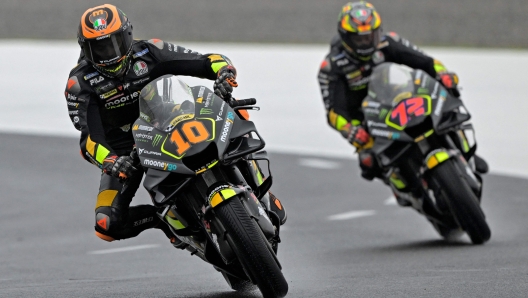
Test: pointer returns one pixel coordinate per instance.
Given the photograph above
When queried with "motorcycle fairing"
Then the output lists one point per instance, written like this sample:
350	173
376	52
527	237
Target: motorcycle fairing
195	140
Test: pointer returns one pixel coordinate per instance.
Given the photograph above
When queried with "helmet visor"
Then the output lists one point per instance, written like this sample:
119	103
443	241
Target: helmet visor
363	43
108	50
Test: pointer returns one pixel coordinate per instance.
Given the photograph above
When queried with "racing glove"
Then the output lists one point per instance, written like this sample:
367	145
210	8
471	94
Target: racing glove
119	166
226	81
450	81
357	136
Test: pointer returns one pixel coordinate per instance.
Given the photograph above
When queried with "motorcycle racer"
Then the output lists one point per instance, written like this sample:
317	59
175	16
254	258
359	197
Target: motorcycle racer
344	75
102	95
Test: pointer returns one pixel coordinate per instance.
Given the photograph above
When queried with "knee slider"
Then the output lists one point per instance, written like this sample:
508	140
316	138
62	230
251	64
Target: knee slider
106	223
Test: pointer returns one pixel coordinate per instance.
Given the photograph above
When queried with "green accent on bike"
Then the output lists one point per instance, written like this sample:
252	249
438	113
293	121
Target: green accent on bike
436	159
427	134
222	195
259	174
465	143
212	165
227	193
213	129
355	122
174	223
102	152
397	182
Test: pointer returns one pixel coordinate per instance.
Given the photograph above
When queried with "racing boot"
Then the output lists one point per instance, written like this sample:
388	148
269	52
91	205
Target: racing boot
175	241
369	165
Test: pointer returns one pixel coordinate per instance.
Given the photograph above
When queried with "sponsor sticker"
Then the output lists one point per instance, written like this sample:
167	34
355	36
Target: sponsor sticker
139	54
98	19
140	68
143	80
108	94
227	125
143	136
142	127
159	164
206	111
378	57
97	80
177	120
147	152
90	75
156	140
125	100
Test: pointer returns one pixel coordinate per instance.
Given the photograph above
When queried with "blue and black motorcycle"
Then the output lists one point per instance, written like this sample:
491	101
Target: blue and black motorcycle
426	148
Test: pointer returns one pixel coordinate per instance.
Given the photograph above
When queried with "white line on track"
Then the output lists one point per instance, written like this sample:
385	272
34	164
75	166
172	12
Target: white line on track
352	214
121	249
319	163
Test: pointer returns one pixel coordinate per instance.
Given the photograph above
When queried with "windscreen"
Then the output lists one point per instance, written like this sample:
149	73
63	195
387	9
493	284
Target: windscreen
164	99
390	81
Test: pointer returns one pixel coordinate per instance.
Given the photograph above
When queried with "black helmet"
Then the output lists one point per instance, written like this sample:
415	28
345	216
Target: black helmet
359	26
105	36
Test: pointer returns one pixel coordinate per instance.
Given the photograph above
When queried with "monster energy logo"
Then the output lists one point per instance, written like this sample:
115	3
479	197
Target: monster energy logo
206	111
156	140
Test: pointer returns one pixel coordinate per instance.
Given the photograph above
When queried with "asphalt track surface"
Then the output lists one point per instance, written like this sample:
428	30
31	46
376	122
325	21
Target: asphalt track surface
48	248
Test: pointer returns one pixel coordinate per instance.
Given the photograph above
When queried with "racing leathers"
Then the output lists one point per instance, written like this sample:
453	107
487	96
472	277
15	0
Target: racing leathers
103	109
343	79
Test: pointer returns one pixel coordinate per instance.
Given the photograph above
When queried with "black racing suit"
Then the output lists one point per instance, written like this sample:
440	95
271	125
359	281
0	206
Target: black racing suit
344	78
105	108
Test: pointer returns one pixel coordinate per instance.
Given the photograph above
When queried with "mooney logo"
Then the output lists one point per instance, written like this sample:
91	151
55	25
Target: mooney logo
160	164
206	111
227	125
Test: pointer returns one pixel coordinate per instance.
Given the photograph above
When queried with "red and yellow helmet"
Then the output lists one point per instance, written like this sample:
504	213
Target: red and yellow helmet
359	26
105	36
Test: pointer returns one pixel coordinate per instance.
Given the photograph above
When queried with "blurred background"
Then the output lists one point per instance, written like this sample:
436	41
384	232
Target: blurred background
467	23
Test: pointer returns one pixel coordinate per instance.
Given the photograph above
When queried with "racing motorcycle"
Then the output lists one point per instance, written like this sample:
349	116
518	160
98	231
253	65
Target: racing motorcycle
425	145
201	161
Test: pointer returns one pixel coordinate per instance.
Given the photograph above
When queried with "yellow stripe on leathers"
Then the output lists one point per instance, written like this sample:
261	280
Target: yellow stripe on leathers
106	198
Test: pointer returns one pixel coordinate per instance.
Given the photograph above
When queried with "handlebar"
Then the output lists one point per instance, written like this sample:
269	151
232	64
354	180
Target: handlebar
240	102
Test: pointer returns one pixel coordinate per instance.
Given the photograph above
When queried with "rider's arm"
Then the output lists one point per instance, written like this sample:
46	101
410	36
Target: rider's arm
337	97
401	51
176	60
84	114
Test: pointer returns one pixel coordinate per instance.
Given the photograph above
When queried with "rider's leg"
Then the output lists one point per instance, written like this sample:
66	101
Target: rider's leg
114	219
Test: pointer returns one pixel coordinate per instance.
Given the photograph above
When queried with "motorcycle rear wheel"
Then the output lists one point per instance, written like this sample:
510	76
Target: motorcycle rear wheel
462	202
251	249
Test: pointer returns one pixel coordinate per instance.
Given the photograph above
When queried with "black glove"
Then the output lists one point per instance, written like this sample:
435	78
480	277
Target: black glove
120	167
450	81
226	81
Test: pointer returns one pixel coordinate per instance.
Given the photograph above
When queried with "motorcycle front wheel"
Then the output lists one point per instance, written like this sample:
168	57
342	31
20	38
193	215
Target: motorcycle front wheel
463	203
251	249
